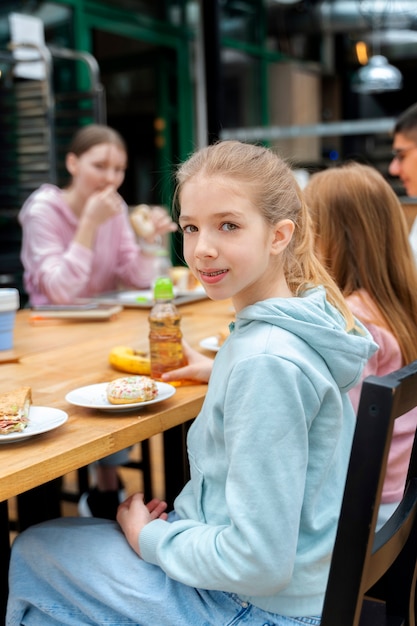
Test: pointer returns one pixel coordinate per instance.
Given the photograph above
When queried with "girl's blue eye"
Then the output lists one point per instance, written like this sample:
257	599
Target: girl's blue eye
228	226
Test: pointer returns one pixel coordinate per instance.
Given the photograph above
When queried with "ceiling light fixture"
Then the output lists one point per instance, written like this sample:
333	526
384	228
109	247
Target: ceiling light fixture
377	76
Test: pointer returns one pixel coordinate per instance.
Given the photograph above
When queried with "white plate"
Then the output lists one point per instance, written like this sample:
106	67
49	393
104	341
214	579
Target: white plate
135	297
94	397
146	295
210	343
42	419
144	298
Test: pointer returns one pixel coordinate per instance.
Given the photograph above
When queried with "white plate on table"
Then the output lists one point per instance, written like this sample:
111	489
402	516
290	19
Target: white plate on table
210	343
94	397
42	419
144	298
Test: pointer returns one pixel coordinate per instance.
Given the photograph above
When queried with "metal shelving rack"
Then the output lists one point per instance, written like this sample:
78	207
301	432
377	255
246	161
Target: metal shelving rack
37	119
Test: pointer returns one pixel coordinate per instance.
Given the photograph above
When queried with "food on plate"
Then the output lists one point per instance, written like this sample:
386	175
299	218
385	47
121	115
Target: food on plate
131	389
14	410
126	359
141	220
183	279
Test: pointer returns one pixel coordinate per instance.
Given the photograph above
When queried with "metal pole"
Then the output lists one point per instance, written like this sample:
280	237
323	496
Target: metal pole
200	82
348	127
212	64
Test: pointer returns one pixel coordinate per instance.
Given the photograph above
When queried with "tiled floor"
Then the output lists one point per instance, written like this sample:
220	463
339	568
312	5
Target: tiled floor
132	479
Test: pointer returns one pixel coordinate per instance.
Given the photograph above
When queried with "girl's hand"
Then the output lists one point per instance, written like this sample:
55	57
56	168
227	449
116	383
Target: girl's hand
100	206
198	367
133	515
103	205
162	222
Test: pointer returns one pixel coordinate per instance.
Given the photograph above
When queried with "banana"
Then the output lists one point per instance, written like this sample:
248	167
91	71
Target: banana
126	359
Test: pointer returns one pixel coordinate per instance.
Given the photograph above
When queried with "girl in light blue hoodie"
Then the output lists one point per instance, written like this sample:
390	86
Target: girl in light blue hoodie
251	534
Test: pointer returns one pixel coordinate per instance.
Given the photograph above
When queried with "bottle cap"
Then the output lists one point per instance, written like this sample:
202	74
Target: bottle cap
163	289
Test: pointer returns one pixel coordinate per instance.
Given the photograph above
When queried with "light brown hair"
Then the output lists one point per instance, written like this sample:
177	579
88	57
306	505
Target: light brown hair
361	233
274	190
92	135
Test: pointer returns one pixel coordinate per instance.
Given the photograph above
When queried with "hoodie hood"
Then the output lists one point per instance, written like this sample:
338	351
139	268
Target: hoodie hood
314	320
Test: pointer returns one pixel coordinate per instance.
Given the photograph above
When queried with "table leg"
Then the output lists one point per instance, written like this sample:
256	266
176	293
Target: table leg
175	461
39	504
5	558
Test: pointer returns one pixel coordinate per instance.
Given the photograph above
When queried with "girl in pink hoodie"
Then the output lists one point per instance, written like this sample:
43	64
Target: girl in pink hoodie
361	235
78	241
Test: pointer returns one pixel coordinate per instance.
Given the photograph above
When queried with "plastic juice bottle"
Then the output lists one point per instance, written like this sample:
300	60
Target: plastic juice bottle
165	334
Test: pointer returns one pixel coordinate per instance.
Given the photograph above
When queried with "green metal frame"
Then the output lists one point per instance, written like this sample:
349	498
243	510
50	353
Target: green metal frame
95	14
258	50
92	14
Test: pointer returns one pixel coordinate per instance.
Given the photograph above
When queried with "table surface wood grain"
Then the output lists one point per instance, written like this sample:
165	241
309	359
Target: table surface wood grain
55	357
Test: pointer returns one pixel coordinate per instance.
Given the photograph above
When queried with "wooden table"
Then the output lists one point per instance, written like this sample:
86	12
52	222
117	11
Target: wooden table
55	357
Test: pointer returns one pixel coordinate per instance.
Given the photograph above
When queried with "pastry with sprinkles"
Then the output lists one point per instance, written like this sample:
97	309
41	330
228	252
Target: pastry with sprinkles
131	389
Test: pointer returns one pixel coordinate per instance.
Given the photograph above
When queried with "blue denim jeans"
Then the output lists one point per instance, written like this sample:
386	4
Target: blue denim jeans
115	459
81	571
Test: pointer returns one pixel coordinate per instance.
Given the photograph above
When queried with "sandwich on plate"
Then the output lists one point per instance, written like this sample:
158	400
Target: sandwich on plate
14	410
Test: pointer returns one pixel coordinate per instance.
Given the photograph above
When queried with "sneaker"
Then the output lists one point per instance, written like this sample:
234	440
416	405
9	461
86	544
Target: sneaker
95	503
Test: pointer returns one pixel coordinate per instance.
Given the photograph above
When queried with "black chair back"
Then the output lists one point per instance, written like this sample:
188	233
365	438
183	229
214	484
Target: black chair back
372	580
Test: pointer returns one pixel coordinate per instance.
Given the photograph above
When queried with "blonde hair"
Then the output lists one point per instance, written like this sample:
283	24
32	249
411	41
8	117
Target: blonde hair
274	190
361	234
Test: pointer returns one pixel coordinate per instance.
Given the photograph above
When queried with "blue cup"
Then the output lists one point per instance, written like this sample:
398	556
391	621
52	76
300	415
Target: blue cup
9	303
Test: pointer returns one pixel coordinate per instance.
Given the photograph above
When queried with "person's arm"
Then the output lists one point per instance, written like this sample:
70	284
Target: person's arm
55	267
162	223
240	549
100	207
135	267
58	260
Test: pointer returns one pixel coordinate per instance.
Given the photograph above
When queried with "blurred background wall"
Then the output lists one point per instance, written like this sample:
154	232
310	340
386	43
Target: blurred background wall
175	74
